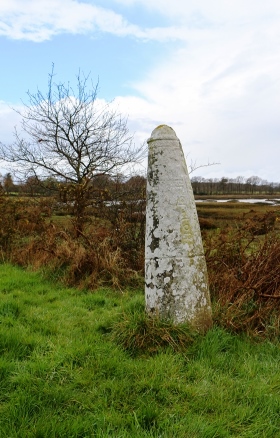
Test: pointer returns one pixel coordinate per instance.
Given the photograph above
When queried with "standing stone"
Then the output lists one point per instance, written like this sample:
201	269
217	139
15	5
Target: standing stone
175	272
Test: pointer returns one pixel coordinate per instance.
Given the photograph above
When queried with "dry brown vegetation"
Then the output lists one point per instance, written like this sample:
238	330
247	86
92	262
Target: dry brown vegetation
34	233
242	249
243	260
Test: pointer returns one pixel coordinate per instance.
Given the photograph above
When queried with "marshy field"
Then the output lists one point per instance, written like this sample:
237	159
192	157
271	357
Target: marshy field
79	358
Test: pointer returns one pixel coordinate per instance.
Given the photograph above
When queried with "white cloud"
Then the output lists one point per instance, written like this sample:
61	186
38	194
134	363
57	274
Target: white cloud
220	92
218	10
39	21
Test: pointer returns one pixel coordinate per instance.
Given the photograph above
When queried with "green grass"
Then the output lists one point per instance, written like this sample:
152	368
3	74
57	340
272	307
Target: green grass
63	372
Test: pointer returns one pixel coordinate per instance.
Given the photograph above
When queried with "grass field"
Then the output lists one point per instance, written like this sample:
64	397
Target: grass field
63	372
230	210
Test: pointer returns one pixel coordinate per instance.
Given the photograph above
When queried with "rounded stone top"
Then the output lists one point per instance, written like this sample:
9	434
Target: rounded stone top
163	132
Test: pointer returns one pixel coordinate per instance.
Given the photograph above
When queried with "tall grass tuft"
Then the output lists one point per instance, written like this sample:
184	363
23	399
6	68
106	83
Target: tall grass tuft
139	334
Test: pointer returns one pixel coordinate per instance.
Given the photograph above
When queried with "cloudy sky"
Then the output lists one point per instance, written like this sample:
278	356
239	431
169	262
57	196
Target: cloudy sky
208	68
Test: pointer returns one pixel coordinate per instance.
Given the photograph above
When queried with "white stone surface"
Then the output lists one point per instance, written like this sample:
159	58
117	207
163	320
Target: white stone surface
176	275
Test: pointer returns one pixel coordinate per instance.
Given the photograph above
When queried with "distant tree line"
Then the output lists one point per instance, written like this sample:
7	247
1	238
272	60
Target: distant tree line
51	186
104	185
234	186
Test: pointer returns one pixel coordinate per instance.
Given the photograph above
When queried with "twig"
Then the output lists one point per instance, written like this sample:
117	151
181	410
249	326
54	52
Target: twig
269	296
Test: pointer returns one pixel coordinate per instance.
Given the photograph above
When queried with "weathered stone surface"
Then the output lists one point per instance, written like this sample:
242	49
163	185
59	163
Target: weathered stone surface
176	274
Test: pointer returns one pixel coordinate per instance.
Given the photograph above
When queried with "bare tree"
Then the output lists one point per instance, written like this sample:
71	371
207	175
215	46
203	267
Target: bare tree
70	135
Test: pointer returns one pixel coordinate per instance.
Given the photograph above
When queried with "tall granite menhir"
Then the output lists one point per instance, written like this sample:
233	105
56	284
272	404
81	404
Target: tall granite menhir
176	275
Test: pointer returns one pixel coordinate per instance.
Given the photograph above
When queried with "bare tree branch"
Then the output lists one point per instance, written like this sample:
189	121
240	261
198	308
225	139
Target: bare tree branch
192	167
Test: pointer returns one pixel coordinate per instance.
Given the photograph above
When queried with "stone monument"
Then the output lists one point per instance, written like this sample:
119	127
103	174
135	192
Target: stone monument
175	268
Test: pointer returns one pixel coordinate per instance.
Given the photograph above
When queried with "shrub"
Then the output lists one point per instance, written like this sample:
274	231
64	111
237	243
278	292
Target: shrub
244	273
104	253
